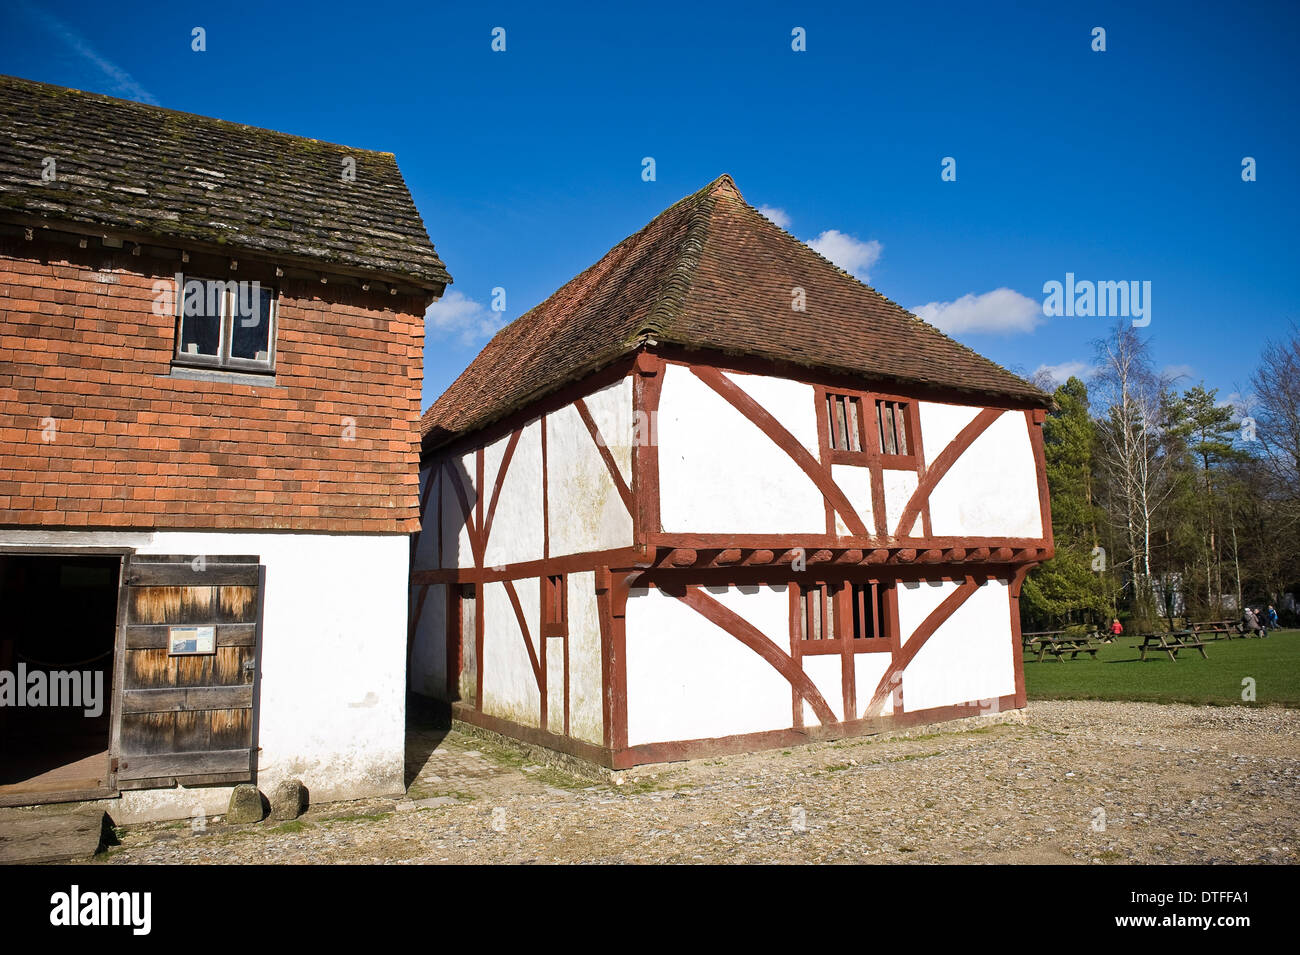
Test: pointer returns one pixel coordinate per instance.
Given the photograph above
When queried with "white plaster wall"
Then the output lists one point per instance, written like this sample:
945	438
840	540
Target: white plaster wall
555	685
826	670
428	667
456	551
970	657
517	529
992	489
899	487
719	473
916	599
868	668
855	482
586	685
509	687
940	423
766	607
333	688
585	510
426	539
689	679
333	701
611	410
790	402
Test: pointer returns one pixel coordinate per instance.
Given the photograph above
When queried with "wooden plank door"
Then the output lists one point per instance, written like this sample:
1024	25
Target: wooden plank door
188	712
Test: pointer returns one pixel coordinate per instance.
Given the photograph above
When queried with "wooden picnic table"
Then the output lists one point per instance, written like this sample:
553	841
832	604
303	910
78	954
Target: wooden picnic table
1171	642
1059	644
1214	629
1032	637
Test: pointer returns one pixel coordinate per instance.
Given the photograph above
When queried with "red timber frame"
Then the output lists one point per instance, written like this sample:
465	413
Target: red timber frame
682	564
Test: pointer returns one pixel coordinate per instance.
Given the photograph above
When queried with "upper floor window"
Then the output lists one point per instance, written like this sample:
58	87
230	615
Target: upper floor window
226	325
892	422
844	419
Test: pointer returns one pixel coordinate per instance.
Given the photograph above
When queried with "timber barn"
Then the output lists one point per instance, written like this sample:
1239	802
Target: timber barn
211	342
715	494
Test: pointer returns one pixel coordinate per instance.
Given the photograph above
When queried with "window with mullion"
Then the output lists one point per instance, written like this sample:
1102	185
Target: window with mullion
894	429
831	613
845	429
226	325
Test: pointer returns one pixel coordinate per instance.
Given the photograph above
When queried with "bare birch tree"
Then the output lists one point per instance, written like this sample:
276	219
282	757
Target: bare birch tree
1132	430
1276	424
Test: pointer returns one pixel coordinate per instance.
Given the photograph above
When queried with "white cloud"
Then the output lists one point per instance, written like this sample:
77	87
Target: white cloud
779	217
468	321
122	81
1001	310
1060	374
850	254
1239	403
1177	372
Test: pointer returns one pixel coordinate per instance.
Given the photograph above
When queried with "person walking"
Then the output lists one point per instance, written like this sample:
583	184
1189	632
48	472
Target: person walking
1272	617
1116	628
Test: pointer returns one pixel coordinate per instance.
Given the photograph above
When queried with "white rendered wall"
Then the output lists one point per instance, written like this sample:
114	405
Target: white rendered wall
332	696
826	670
899	487
586	511
941	423
689	679
970	657
428	667
457	471
719	473
586	683
510	688
992	489
916	599
426	556
611	410
868	670
855	482
517	529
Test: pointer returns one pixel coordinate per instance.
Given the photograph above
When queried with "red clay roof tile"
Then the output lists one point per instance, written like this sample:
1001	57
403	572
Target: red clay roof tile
710	272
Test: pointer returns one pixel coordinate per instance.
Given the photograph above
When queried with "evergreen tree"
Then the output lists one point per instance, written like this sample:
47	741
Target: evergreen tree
1076	585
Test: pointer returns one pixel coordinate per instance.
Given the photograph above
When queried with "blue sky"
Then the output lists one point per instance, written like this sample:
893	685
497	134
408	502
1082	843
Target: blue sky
526	164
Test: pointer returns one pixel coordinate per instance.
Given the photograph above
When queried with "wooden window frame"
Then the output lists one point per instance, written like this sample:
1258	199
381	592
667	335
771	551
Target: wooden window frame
554	585
909	419
825	408
872	453
223	360
841	593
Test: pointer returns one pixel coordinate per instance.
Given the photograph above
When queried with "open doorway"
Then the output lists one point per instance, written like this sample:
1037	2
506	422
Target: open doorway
58	626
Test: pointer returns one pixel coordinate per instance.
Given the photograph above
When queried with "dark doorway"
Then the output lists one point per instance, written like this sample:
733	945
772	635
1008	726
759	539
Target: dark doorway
58	627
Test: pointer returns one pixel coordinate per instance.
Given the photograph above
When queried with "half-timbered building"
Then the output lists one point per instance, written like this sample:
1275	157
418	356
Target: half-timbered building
716	494
211	343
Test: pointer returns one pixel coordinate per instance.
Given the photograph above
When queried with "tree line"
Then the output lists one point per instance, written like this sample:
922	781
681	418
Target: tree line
1169	503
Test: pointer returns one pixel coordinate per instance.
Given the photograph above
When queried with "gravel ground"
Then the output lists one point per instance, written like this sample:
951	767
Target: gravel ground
1082	782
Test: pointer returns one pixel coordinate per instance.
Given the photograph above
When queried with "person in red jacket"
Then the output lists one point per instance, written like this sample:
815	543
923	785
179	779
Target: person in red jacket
1116	627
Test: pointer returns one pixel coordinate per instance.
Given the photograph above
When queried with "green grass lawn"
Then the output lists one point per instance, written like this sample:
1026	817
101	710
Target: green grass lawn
1118	674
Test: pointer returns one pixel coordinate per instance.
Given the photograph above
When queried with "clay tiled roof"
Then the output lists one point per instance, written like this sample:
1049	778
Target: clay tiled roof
153	172
711	273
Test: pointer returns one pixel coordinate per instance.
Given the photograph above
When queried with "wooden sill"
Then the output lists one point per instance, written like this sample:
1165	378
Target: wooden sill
258	379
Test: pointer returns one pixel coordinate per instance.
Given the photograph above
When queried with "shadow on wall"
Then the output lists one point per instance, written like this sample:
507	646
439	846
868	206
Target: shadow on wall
456	516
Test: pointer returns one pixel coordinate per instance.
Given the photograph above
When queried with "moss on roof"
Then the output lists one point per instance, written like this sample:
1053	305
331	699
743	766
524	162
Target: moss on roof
159	172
